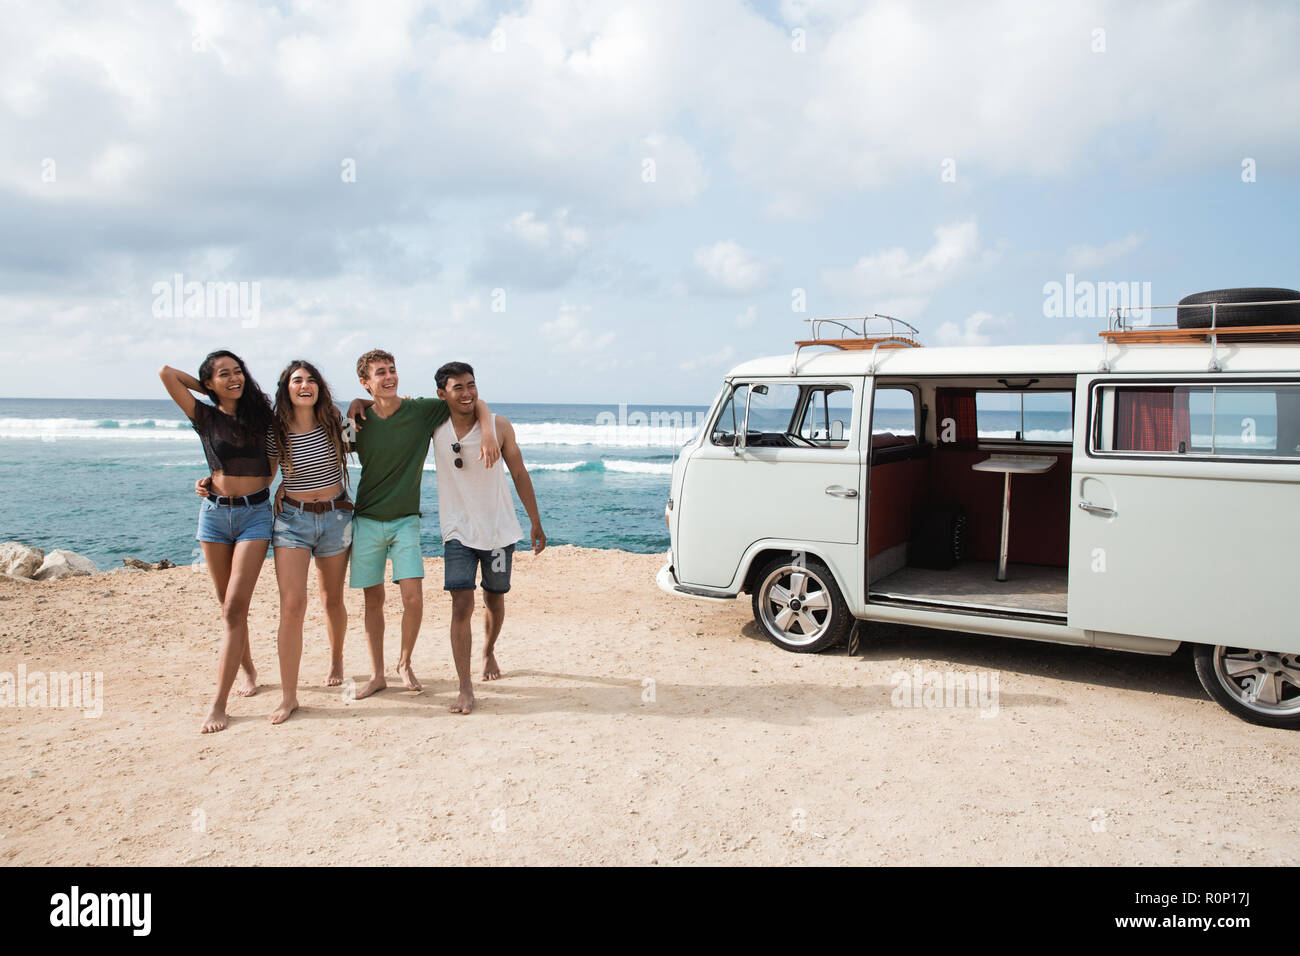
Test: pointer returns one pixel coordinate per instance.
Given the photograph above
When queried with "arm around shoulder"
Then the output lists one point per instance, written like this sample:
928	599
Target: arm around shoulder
490	452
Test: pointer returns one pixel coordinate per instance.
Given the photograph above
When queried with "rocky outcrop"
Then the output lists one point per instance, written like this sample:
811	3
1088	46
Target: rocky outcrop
137	564
64	564
20	561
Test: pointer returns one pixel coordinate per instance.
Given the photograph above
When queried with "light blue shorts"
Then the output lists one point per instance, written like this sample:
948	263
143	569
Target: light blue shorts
374	542
227	524
324	534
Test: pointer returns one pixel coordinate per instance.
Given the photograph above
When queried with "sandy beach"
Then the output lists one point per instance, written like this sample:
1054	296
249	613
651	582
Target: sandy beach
629	728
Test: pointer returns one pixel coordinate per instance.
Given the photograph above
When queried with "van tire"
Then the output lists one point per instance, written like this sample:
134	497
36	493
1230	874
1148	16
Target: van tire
1226	318
1231	694
776	582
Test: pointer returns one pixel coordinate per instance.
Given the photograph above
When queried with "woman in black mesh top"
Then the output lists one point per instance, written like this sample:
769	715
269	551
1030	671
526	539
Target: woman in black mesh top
235	521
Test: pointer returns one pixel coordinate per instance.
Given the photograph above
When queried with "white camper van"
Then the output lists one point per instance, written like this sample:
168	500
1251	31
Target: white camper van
1133	494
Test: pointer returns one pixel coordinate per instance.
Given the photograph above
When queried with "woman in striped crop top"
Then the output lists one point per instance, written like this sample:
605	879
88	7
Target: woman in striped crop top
313	520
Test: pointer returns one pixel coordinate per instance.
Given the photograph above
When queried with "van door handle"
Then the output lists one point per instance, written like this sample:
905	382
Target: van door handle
1092	509
841	492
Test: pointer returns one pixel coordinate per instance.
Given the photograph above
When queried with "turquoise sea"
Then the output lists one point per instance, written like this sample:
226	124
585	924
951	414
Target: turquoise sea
114	479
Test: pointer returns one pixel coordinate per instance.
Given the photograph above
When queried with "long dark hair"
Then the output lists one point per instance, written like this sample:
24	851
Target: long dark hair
253	410
327	416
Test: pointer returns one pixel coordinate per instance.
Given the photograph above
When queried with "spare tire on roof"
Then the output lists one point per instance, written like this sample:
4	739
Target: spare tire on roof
1194	311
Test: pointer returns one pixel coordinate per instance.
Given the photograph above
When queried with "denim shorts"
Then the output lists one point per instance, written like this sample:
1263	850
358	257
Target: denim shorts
374	542
461	563
226	524
324	534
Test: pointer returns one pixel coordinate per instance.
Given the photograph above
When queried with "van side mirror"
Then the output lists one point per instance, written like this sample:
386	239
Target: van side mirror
837	430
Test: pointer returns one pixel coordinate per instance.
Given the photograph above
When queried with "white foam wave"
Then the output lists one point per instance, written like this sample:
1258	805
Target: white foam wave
134	429
659	432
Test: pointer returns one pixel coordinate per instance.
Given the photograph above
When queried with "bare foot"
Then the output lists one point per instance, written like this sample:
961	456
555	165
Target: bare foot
335	678
216	722
246	683
490	669
371	686
408	677
282	712
464	703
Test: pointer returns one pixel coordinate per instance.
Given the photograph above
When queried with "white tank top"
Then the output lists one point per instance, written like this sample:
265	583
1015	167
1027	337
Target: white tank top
475	506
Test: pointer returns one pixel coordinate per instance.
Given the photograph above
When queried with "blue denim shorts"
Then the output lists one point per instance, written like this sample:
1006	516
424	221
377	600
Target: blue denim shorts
226	524
324	534
461	563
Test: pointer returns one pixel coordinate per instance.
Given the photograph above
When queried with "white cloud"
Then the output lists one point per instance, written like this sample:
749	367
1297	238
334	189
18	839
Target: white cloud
720	357
973	330
747	318
1084	256
568	332
532	253
895	282
730	268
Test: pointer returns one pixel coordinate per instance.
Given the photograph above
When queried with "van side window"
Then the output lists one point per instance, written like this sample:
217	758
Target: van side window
1230	421
894	415
1039	416
732	417
827	416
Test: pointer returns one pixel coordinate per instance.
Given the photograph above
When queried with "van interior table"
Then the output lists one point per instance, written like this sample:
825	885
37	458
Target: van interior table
1012	465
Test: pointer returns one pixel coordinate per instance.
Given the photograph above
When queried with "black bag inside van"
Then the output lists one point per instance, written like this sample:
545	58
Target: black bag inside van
940	538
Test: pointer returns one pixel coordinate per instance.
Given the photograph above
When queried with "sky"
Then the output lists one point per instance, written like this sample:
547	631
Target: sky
617	202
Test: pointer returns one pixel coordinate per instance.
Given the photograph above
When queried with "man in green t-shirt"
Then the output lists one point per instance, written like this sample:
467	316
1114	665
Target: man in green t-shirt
392	446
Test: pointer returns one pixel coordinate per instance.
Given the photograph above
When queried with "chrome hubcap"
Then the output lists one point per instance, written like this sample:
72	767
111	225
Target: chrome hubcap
795	605
1265	682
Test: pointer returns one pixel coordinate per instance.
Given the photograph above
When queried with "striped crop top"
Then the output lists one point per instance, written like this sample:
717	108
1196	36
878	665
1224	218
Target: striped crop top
315	464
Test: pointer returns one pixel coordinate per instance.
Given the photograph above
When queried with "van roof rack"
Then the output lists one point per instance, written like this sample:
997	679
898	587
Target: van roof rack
890	333
1123	328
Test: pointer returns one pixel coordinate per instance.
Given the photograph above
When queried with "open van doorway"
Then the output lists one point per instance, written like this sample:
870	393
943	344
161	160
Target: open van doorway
971	514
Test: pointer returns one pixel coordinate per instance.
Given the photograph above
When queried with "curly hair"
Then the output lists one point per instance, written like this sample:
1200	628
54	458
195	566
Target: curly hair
374	355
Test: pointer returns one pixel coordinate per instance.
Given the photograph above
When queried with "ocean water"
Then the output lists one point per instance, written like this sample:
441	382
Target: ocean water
115	479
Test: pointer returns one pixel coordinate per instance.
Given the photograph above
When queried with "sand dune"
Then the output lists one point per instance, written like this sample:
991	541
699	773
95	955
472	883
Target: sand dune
629	728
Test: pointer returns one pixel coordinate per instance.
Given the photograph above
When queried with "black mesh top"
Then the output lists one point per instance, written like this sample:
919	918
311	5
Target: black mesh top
228	448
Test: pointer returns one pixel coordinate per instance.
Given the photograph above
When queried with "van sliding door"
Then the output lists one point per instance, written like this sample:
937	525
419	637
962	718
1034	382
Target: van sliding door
1185	509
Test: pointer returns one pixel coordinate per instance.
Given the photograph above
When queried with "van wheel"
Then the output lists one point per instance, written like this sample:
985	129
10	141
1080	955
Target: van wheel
1262	687
800	607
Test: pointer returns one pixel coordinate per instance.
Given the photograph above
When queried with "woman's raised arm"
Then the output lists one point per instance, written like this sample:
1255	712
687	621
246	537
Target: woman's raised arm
181	386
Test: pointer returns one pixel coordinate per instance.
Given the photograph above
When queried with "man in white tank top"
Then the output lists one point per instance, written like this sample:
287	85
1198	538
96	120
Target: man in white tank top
479	526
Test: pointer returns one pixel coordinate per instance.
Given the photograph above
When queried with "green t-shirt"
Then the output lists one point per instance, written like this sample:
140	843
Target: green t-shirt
392	452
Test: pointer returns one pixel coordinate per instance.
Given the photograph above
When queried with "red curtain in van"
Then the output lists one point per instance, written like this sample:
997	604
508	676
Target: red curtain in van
1152	419
957	404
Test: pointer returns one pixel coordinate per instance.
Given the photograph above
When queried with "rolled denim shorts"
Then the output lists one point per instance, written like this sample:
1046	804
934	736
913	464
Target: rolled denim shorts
324	534
461	563
226	524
